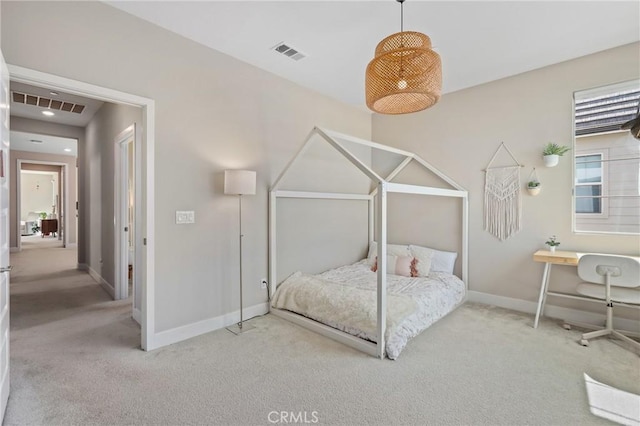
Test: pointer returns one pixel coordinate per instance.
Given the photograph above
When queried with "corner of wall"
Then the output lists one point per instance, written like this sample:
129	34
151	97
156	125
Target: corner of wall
99	279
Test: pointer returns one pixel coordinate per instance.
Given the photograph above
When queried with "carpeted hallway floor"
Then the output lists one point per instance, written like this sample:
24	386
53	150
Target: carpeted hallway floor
75	359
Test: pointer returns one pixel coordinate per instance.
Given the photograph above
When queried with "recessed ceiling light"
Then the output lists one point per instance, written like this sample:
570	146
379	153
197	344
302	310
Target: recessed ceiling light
54	93
48	113
67	149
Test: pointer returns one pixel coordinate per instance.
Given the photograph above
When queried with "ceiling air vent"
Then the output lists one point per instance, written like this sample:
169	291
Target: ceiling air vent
289	51
41	101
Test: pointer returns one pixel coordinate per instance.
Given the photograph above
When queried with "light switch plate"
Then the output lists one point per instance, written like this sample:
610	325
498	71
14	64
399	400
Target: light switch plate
183	217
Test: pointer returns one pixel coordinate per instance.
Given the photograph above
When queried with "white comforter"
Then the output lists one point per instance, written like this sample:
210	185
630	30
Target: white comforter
345	298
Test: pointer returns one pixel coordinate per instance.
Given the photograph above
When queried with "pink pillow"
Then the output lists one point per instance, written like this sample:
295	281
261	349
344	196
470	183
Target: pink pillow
399	265
424	257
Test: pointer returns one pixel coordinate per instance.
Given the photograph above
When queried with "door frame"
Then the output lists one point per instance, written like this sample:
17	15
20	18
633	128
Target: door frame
121	213
145	163
64	175
5	208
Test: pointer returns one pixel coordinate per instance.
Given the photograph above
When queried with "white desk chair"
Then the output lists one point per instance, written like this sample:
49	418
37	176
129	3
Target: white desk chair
614	279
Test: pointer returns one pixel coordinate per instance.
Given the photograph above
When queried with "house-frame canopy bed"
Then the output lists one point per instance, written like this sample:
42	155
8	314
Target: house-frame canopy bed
377	226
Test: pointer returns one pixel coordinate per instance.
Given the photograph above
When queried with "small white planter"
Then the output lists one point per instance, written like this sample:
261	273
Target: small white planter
551	160
533	191
552	249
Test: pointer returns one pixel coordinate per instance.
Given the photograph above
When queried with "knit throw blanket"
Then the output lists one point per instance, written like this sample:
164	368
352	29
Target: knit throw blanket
502	207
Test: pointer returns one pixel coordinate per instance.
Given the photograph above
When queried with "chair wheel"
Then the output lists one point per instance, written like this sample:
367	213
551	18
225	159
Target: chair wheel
584	342
566	326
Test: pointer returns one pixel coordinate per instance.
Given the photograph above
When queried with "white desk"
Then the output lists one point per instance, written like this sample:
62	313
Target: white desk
552	258
569	258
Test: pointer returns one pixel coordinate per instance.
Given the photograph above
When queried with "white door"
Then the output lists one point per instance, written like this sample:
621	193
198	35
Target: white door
124	241
4	236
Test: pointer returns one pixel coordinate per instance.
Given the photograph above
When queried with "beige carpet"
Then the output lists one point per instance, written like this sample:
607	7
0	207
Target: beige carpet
75	360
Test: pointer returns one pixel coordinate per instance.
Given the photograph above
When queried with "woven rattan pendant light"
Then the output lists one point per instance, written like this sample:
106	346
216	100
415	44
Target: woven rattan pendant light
405	75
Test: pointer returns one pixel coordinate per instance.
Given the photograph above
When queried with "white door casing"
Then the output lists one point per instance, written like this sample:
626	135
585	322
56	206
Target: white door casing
4	236
60	204
145	183
62	199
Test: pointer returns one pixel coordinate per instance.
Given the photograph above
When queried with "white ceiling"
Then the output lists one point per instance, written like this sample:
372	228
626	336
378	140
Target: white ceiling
479	41
22	141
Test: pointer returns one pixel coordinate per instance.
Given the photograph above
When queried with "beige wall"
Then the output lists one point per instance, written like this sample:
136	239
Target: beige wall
98	178
205	123
20	124
38	192
316	235
461	133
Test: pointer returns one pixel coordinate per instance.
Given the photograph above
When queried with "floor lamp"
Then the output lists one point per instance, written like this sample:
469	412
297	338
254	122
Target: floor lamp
240	182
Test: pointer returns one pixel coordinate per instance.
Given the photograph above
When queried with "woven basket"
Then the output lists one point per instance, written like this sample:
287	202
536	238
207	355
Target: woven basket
405	75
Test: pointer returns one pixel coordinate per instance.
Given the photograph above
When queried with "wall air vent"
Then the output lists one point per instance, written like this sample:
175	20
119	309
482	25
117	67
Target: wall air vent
41	101
289	51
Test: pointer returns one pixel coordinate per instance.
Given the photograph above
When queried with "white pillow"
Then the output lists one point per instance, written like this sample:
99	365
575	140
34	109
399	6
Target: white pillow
392	249
442	261
399	265
423	258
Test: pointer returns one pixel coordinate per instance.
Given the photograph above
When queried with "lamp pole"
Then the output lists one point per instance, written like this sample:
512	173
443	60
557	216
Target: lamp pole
240	220
240	182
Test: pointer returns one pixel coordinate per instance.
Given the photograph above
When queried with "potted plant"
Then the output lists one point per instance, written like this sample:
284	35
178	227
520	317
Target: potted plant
552	153
552	243
533	187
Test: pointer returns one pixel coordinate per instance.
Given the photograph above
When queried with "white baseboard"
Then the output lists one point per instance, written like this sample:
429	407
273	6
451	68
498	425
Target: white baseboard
188	331
136	313
13	249
137	316
550	311
98	278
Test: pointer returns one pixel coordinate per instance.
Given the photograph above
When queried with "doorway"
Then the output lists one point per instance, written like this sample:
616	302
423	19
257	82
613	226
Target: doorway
35	153
41	200
145	262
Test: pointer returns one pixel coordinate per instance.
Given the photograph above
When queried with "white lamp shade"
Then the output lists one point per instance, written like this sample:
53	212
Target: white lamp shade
239	182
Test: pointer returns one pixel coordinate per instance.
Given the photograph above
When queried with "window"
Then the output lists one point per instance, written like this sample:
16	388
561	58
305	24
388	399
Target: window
589	184
606	160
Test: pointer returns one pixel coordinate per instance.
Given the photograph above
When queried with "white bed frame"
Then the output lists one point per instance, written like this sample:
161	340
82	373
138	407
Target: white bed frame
377	218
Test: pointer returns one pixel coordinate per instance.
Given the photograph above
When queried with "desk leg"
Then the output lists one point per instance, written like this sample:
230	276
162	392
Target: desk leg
543	292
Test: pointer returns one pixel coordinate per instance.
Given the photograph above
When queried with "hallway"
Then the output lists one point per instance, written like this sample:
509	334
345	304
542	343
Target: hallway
58	314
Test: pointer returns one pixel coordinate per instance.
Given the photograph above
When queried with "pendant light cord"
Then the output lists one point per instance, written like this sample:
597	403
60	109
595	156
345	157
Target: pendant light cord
401	72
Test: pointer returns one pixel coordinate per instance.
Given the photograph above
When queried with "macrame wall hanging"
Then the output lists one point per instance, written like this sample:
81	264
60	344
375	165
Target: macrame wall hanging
502	205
